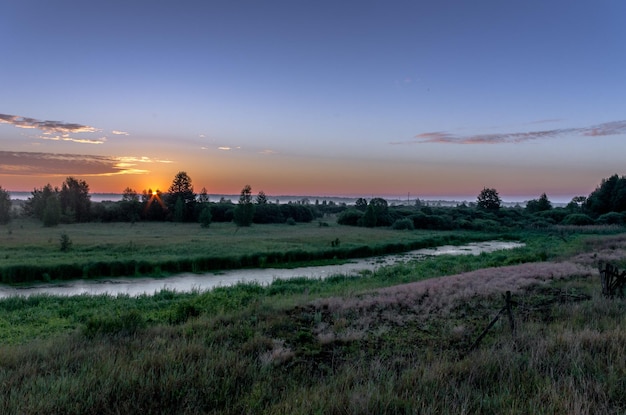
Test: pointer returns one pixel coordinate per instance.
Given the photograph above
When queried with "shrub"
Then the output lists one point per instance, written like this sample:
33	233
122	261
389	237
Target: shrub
290	221
612	218
126	323
557	214
350	217
65	242
402	224
578	219
184	311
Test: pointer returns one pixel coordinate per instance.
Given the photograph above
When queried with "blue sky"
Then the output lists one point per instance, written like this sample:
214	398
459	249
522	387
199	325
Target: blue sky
437	98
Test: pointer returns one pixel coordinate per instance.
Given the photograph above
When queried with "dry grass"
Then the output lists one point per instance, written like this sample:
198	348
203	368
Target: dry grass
399	304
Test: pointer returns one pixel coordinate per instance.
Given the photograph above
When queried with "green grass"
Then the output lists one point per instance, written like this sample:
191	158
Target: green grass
30	252
342	345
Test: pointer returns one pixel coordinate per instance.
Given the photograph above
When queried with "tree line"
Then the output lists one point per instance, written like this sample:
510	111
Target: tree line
71	203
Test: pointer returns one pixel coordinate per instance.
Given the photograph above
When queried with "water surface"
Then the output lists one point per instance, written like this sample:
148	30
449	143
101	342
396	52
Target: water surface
187	282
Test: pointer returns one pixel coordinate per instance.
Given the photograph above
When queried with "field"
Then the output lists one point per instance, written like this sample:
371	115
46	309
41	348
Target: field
393	341
30	252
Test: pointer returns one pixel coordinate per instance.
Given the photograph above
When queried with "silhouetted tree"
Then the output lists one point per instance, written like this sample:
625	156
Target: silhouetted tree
203	197
489	199
369	217
381	211
539	205
610	196
153	206
361	204
244	211
577	203
261	198
5	206
130	205
36	204
75	200
182	189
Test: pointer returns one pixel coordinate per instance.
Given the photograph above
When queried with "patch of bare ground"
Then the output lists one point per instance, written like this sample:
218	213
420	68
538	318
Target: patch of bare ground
351	318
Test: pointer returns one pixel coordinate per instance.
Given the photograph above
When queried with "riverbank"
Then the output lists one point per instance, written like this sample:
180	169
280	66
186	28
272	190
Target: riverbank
188	282
31	252
394	340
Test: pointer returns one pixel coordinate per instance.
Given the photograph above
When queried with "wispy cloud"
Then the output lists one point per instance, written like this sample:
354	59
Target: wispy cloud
267	152
66	137
117	132
47	126
606	129
51	164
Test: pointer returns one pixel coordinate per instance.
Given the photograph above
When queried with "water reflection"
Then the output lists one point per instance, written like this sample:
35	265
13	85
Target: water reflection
188	282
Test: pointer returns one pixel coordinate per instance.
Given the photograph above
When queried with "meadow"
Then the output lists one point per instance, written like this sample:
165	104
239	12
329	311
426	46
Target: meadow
392	341
30	252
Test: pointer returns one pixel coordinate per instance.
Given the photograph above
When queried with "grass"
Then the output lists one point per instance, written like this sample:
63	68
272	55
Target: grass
392	341
30	252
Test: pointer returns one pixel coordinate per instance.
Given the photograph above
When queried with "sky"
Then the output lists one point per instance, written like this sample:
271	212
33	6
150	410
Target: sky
428	99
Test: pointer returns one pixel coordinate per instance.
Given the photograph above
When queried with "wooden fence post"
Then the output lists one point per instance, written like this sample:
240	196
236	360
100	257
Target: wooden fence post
508	307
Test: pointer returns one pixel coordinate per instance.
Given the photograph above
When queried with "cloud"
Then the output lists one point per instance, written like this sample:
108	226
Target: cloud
606	129
51	164
47	126
66	137
116	132
268	152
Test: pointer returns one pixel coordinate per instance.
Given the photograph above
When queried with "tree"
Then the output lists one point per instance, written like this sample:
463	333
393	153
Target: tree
488	199
75	200
577	203
361	204
203	197
369	218
610	196
153	206
244	211
36	204
182	189
5	206
52	211
261	198
179	210
539	205
130	205
380	209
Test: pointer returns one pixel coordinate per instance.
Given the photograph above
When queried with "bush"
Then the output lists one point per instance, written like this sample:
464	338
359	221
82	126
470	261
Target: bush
557	214
268	213
402	224
350	217
612	218
577	219
425	221
126	323
65	242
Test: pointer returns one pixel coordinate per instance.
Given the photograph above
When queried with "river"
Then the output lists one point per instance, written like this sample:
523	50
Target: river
187	282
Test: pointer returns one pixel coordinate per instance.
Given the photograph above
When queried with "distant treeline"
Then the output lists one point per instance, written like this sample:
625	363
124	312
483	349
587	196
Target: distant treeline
71	203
